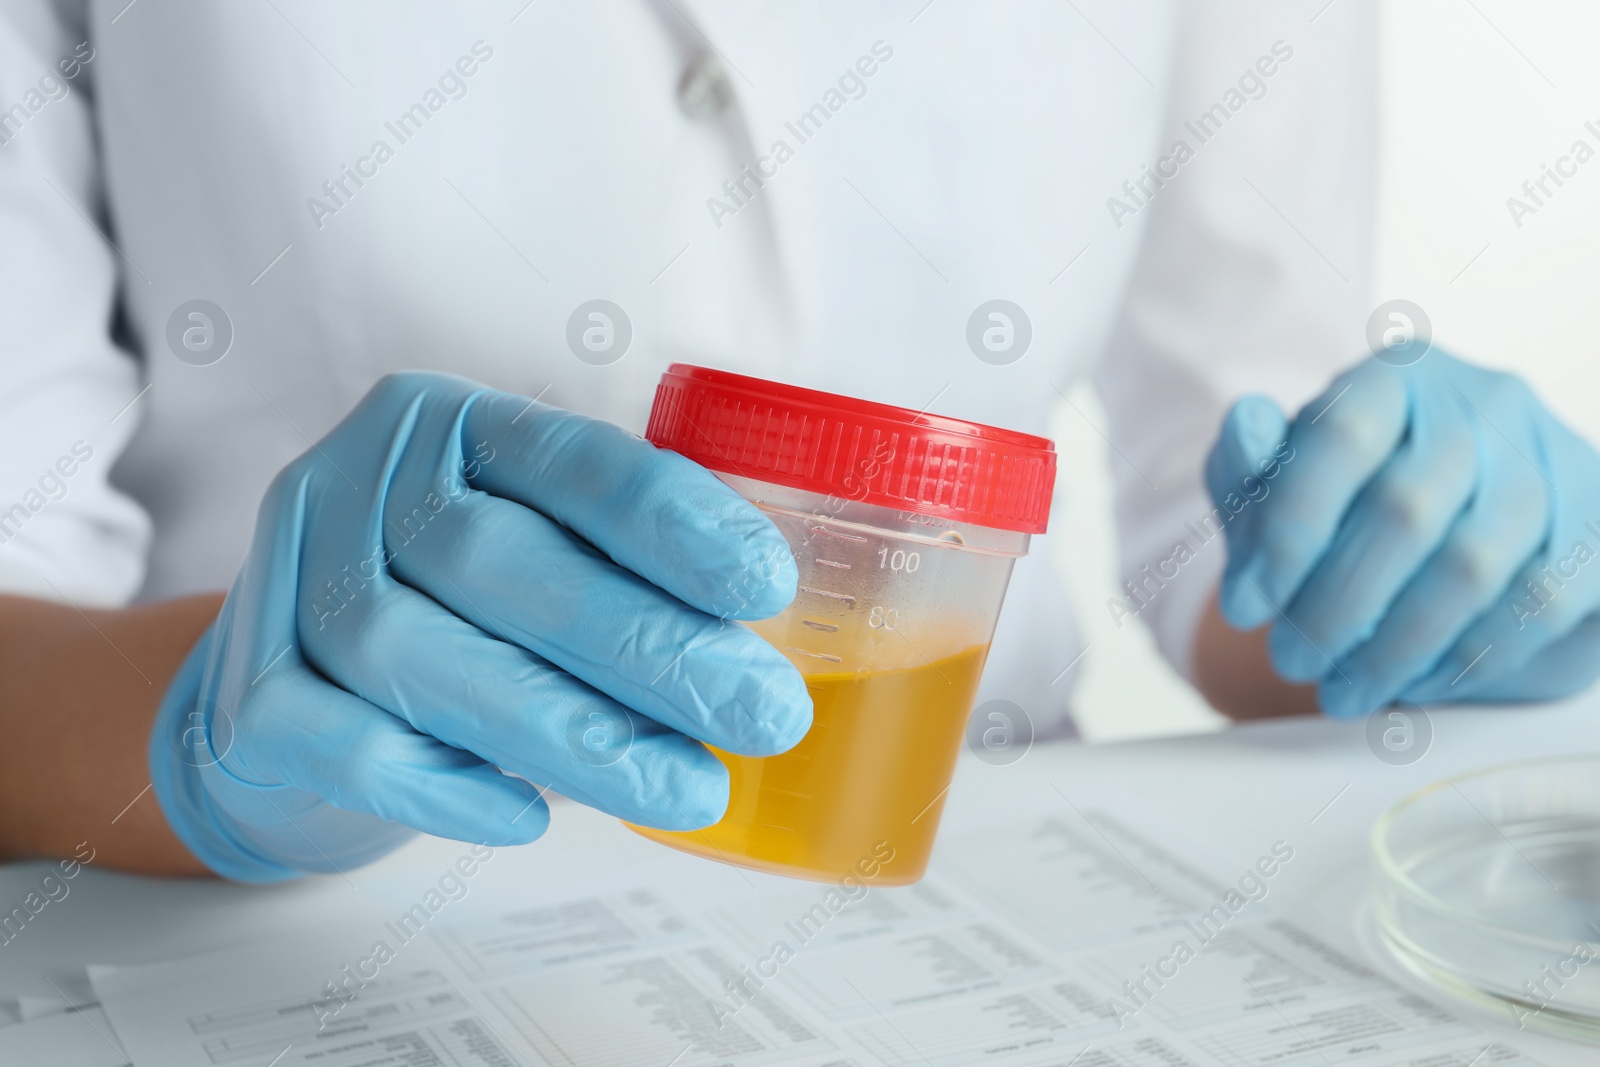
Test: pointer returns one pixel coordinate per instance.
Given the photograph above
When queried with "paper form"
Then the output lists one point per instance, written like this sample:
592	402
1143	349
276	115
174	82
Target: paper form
269	1006
70	993
546	936
1074	940
76	1037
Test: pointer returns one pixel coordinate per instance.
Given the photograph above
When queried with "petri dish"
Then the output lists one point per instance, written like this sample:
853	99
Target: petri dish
1487	885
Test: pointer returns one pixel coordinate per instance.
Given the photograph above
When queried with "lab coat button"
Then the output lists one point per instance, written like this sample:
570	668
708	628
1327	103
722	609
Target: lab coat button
703	91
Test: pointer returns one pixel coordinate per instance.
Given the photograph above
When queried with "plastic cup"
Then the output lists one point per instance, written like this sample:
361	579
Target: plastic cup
904	527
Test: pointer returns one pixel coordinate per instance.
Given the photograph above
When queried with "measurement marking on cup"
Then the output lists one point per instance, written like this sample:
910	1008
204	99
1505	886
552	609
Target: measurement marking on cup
844	598
831	563
825	627
815	655
841	536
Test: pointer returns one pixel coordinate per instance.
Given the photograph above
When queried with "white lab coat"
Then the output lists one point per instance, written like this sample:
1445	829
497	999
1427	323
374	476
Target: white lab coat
979	160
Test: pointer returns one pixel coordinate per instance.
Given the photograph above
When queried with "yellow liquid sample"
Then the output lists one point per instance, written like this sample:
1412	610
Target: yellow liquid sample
867	782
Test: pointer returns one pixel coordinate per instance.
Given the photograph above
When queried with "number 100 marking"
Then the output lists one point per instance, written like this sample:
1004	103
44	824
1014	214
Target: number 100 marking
898	560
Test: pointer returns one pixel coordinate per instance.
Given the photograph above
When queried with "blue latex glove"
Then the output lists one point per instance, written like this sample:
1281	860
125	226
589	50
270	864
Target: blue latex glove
456	582
1428	540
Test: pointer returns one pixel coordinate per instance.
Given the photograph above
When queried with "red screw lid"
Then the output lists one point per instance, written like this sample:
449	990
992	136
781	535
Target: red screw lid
877	453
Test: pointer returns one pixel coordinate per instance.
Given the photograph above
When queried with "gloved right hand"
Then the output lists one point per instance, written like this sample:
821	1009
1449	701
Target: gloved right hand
455	583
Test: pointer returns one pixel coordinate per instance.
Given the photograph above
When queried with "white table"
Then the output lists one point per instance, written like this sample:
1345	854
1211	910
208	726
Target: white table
1235	791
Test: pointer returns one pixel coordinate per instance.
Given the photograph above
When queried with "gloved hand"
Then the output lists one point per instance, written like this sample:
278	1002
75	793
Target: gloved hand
456	582
1433	538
